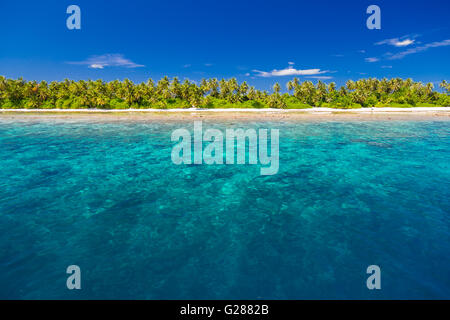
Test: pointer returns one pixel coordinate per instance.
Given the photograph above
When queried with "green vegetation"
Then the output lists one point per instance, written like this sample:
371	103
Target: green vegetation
213	93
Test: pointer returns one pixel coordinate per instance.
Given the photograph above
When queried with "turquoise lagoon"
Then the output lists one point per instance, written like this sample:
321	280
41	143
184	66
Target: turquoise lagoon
106	196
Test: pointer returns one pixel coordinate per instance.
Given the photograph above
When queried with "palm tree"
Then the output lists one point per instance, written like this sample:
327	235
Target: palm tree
162	88
195	95
350	84
213	86
252	94
242	91
445	85
175	88
277	88
322	93
292	84
2	88
98	94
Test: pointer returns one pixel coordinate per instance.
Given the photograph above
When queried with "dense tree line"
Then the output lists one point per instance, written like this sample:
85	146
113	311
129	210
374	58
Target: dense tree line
214	93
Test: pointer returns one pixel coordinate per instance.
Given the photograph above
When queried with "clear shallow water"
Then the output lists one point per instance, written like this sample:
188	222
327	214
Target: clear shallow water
106	197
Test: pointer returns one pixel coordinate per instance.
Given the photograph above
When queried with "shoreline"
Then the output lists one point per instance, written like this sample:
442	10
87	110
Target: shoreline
308	110
168	115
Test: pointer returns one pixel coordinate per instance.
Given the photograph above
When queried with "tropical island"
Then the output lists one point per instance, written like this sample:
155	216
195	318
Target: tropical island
218	94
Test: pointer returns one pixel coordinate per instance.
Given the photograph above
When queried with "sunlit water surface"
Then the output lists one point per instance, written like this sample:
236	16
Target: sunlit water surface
107	197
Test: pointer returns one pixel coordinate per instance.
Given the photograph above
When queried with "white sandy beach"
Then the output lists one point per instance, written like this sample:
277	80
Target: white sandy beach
315	114
310	110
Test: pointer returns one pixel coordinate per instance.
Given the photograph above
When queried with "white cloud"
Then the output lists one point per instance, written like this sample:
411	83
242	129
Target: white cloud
425	47
108	60
404	43
289	71
371	60
96	66
386	67
186	66
396	42
320	77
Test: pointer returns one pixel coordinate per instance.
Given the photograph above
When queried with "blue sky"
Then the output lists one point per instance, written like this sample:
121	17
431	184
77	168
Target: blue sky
248	40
